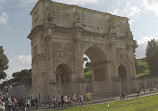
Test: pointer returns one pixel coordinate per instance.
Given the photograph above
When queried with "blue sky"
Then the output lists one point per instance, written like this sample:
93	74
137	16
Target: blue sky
15	25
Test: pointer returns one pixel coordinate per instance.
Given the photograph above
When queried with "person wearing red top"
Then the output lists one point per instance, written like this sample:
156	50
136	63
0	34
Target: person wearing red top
54	101
69	100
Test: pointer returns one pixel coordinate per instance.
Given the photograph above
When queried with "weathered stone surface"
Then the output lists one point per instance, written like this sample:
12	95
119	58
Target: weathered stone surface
61	34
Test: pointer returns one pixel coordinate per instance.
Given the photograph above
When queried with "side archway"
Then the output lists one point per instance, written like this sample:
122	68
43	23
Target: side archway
64	79
122	72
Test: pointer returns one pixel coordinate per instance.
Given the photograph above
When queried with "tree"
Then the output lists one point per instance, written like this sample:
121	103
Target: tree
23	77
3	63
152	56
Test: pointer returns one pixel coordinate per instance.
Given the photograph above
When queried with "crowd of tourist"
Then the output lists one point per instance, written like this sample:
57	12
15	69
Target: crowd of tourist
13	104
68	101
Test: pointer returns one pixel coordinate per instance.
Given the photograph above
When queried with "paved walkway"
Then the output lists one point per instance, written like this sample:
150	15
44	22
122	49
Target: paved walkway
114	99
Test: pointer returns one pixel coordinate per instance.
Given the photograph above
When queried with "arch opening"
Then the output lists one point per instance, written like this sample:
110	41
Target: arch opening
122	72
64	79
123	76
98	69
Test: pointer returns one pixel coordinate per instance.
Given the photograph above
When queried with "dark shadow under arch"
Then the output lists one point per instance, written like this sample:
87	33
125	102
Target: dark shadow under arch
98	62
122	72
64	79
99	68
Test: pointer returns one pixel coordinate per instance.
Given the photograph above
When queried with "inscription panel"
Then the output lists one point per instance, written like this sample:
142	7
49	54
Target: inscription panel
95	22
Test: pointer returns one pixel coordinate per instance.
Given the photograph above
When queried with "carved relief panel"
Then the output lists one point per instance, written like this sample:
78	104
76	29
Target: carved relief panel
58	50
122	53
68	49
57	14
62	52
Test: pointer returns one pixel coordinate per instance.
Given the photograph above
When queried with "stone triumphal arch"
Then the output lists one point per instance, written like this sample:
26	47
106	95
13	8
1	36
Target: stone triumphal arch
61	34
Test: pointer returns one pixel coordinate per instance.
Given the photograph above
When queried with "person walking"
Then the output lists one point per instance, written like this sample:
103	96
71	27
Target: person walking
74	99
27	104
36	103
2	106
81	99
143	89
69	100
15	105
49	102
54	102
9	104
59	102
65	100
88	96
62	101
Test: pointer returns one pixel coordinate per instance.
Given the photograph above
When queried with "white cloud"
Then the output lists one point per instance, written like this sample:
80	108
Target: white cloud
24	59
129	9
140	51
4	18
145	40
131	21
152	5
134	10
17	64
114	12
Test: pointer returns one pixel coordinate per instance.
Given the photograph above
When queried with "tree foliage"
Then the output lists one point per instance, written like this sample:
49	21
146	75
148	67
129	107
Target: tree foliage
23	77
3	63
152	56
19	78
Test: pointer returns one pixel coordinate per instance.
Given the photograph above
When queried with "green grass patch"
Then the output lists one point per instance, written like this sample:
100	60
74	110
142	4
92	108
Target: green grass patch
141	74
88	77
141	104
141	62
145	70
145	73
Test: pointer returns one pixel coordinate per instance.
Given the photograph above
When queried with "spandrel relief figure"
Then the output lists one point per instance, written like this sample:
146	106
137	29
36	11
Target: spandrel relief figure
123	53
77	17
58	50
49	14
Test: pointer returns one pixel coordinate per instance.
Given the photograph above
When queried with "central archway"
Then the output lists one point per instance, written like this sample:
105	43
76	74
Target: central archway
99	70
64	79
